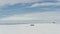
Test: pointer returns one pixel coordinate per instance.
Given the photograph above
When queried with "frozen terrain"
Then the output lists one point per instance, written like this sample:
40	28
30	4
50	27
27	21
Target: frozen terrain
27	29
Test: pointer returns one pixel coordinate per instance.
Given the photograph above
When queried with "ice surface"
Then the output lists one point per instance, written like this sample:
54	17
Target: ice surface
27	29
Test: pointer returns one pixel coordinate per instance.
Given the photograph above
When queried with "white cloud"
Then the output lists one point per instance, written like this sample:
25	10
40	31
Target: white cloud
27	18
5	2
12	2
46	4
48	16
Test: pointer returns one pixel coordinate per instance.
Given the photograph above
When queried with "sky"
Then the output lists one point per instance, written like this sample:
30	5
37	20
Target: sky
27	11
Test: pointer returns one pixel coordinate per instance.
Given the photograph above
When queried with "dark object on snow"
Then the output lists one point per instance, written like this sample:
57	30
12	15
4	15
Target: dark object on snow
53	22
32	25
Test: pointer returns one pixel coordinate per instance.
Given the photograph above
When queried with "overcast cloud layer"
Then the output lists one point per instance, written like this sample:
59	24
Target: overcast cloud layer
29	10
12	2
47	16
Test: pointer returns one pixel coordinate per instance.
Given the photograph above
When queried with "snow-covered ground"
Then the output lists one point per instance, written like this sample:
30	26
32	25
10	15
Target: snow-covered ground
27	29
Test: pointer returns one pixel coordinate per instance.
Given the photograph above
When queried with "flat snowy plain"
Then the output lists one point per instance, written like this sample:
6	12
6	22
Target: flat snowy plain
27	29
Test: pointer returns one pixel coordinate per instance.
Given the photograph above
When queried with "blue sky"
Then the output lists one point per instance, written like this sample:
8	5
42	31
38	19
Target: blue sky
29	10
